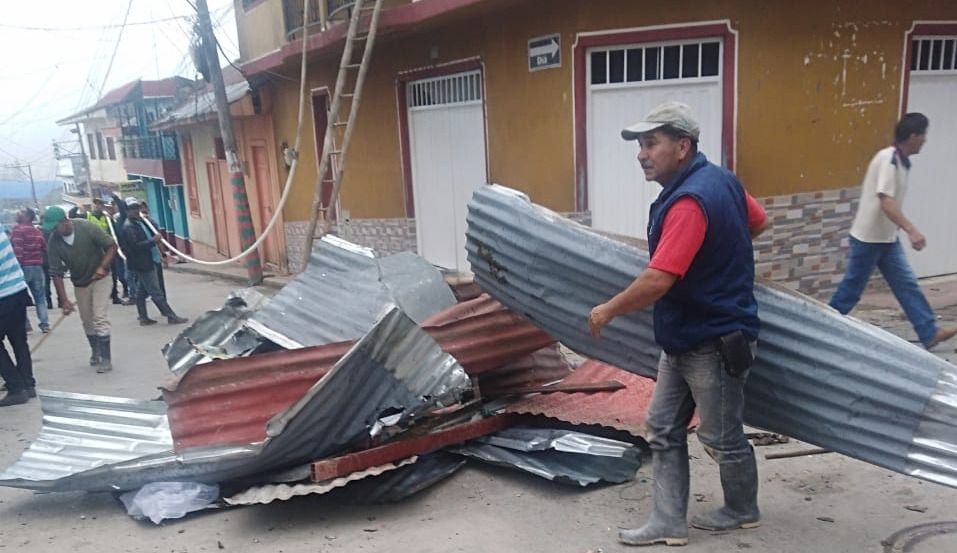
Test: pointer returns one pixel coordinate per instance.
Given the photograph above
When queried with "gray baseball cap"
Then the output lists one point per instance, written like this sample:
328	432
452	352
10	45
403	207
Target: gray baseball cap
676	114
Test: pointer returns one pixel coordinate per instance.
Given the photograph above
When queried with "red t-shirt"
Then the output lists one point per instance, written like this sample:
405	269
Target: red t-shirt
683	233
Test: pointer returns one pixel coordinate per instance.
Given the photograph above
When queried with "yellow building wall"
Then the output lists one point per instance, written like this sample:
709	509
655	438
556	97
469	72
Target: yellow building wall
818	93
260	28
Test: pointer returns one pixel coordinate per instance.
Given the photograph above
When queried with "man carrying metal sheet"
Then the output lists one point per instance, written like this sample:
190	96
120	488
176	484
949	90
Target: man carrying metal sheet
874	242
701	282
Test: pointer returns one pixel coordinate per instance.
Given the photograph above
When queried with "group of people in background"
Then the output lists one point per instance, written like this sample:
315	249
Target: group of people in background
118	240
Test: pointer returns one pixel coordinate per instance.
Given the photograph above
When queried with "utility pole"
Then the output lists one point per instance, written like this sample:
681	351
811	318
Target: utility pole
28	173
247	234
86	162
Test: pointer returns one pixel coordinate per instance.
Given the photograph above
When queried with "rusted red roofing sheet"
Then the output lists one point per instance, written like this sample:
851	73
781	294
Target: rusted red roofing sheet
622	409
229	401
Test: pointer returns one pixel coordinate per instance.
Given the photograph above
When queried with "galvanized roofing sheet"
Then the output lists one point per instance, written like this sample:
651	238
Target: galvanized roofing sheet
81	432
560	455
539	368
399	484
230	401
623	409
284	492
217	334
394	369
824	378
342	291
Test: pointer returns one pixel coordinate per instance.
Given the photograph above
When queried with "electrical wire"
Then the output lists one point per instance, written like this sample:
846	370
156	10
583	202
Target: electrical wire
91	27
287	188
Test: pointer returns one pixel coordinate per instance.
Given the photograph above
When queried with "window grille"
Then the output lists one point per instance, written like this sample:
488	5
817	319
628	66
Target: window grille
659	62
462	88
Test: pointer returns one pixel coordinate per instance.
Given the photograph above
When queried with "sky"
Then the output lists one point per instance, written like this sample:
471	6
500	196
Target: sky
57	60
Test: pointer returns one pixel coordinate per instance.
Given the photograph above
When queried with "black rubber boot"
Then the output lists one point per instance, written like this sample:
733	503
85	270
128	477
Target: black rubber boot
106	364
16	398
739	480
668	523
94	349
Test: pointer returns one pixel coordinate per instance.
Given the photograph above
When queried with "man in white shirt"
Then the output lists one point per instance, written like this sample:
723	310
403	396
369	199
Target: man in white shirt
874	241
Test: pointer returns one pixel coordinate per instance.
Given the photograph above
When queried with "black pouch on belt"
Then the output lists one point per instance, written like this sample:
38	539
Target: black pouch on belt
735	351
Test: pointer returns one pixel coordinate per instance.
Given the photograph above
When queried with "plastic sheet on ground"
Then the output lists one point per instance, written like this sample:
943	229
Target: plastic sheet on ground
161	501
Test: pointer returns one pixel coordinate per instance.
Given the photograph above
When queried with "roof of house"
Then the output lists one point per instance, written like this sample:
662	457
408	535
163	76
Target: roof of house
201	104
133	90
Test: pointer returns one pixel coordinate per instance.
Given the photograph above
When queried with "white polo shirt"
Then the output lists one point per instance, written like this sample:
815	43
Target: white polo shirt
886	174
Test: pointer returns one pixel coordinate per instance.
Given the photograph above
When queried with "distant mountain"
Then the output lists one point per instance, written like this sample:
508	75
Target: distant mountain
17	190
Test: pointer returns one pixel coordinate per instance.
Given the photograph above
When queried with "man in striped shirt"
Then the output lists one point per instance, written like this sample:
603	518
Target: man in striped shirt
14	300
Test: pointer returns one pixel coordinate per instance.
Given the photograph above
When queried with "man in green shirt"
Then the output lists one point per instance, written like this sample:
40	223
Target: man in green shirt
83	249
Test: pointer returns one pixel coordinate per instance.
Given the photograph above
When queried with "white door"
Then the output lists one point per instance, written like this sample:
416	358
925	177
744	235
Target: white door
447	145
626	82
932	194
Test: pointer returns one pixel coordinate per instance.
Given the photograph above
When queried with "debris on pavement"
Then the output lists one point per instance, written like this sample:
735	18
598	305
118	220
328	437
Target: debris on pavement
160	501
819	376
559	455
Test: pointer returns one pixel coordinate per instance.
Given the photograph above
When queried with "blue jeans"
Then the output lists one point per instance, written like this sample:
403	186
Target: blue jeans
697	378
147	284
891	260
36	282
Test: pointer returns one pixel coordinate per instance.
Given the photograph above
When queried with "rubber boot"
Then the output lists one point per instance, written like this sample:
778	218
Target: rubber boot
739	480
668	523
95	349
106	364
15	398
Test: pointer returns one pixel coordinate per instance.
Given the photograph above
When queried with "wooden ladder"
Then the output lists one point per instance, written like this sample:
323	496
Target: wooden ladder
334	149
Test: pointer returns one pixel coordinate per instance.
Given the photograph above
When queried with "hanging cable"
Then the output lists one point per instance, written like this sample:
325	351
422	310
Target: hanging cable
287	188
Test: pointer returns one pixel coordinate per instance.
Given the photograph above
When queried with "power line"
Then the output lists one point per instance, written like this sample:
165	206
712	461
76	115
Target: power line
116	48
91	27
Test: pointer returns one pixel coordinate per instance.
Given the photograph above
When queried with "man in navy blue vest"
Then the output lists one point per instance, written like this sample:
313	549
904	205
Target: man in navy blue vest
700	280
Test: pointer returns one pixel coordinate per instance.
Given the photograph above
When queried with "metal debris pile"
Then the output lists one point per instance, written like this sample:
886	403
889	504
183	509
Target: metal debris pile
364	378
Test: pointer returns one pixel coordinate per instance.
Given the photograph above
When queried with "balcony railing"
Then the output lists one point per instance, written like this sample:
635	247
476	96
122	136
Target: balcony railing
162	147
319	13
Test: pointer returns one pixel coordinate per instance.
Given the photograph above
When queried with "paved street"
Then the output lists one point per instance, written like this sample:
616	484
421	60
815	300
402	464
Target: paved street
824	503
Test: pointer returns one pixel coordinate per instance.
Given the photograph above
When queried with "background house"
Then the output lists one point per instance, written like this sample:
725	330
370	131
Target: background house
209	208
123	153
532	94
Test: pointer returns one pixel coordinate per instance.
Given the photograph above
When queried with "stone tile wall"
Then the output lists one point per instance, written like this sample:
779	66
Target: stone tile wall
806	247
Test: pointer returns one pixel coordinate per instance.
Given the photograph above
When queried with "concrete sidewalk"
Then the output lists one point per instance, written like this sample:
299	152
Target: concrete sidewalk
233	272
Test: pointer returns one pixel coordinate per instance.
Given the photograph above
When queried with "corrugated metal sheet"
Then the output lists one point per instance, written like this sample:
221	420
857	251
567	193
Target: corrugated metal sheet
216	334
620	409
202	104
821	377
284	492
394	369
399	484
483	335
538	368
342	291
559	455
81	432
229	401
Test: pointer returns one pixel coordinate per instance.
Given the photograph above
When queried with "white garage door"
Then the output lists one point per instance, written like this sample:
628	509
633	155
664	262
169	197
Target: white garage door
932	196
626	82
447	143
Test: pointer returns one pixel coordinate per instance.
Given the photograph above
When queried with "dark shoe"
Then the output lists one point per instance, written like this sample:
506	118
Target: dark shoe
106	364
32	392
15	399
95	349
739	480
147	322
44	328
129	302
117	301
942	335
668	521
176	320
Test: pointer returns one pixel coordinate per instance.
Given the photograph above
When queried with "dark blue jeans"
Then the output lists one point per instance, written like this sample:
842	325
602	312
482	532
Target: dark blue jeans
13	318
697	378
892	261
147	284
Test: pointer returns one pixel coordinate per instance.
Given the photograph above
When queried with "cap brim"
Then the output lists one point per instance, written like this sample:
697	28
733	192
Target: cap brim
639	128
47	226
